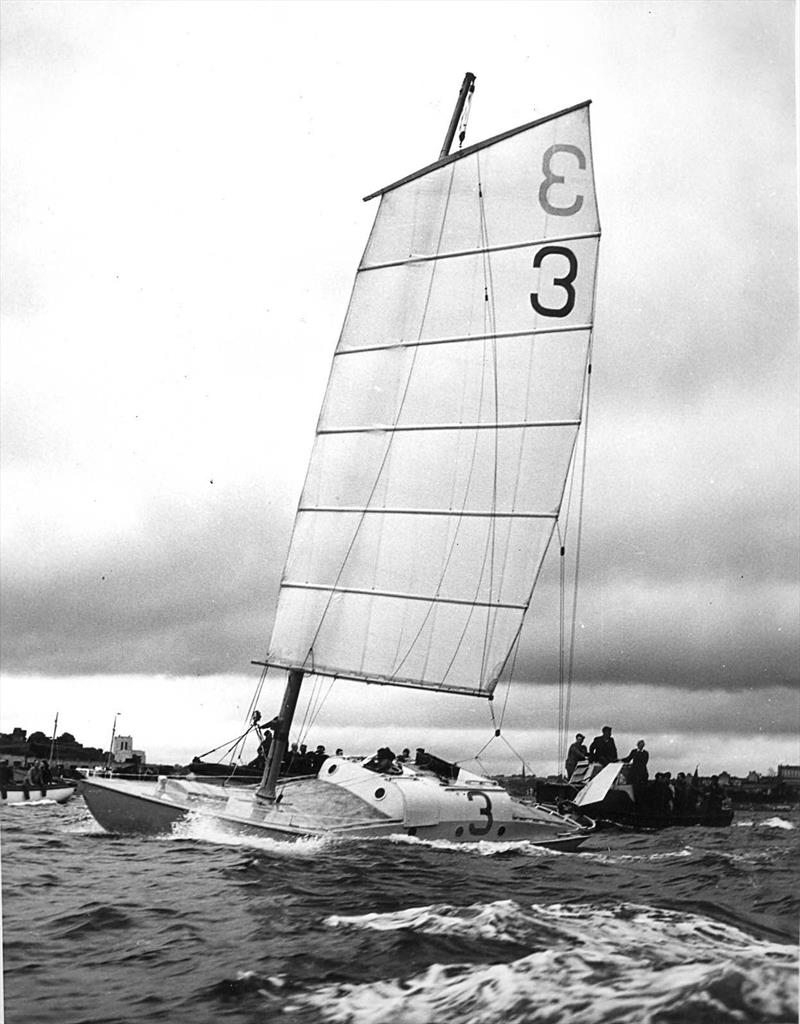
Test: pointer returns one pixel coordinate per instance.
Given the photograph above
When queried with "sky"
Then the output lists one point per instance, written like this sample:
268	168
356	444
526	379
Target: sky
182	219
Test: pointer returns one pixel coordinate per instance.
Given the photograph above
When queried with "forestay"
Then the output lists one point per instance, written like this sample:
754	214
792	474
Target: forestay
450	418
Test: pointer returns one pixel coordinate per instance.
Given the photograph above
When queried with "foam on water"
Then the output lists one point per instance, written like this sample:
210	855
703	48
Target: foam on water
202	828
777	823
27	805
478	849
637	858
600	964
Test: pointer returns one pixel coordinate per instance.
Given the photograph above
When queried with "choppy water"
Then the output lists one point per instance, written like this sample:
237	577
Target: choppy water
676	927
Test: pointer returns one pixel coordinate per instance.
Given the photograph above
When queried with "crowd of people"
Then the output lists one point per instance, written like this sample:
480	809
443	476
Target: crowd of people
660	796
603	751
39	775
299	760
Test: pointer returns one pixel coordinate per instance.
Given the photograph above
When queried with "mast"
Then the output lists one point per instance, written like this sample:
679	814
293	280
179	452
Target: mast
467	86
53	739
110	757
266	790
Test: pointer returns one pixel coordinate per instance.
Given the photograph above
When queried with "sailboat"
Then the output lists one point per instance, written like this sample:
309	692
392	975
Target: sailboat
35	785
434	488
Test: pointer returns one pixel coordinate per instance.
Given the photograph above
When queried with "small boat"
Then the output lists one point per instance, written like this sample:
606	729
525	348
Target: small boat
446	440
60	790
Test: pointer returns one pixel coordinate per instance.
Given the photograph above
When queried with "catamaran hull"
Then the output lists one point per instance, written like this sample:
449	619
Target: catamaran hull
129	813
30	794
359	804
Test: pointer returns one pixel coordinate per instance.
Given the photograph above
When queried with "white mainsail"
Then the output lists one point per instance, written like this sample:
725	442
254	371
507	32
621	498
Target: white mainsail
450	418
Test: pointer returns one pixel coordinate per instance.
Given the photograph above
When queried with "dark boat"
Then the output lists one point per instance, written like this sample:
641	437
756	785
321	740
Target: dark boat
608	795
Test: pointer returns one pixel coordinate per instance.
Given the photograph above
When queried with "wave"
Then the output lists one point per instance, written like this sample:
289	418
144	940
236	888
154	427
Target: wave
634	858
589	965
202	828
774	822
478	849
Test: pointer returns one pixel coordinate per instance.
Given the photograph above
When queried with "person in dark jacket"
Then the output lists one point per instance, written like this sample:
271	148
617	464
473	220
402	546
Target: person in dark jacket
6	776
603	749
637	773
638	759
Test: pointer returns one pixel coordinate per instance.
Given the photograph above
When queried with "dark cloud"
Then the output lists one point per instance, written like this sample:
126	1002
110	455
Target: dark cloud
194	595
690	555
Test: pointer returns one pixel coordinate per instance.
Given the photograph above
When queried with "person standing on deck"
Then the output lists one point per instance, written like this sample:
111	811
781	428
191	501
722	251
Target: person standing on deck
638	759
637	773
603	749
577	752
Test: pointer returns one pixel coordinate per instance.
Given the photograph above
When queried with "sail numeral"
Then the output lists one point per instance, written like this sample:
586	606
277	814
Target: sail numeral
481	830
551	178
565	282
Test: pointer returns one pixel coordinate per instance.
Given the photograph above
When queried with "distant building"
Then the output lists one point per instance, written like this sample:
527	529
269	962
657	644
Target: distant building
123	752
789	775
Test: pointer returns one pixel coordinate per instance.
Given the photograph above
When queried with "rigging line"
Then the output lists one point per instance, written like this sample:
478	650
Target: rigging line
561	627
577	455
401	404
526	606
563	522
581	494
489	314
474	603
450	553
443	574
311	710
225	743
476	757
488	546
516	753
490	321
253	704
579	529
322	701
515	649
300	730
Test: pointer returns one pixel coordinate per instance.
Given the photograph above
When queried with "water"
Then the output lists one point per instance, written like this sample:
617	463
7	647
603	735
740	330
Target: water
682	926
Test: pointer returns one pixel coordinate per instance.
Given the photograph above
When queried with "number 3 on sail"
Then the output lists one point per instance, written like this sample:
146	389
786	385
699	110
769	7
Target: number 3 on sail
565	282
562	192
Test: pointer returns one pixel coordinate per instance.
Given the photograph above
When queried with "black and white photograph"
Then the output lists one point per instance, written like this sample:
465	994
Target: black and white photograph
400	511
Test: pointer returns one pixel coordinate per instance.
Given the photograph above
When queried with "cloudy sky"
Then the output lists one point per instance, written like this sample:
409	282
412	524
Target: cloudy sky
182	220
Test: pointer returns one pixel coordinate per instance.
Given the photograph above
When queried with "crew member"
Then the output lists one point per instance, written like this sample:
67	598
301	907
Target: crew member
603	749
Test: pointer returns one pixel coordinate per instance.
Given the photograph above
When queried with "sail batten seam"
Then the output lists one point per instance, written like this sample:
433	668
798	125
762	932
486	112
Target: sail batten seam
377	680
530	244
389	429
472	513
327	588
460	339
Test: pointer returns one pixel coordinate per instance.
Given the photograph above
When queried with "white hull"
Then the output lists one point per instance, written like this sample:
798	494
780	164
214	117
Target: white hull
30	794
345	799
